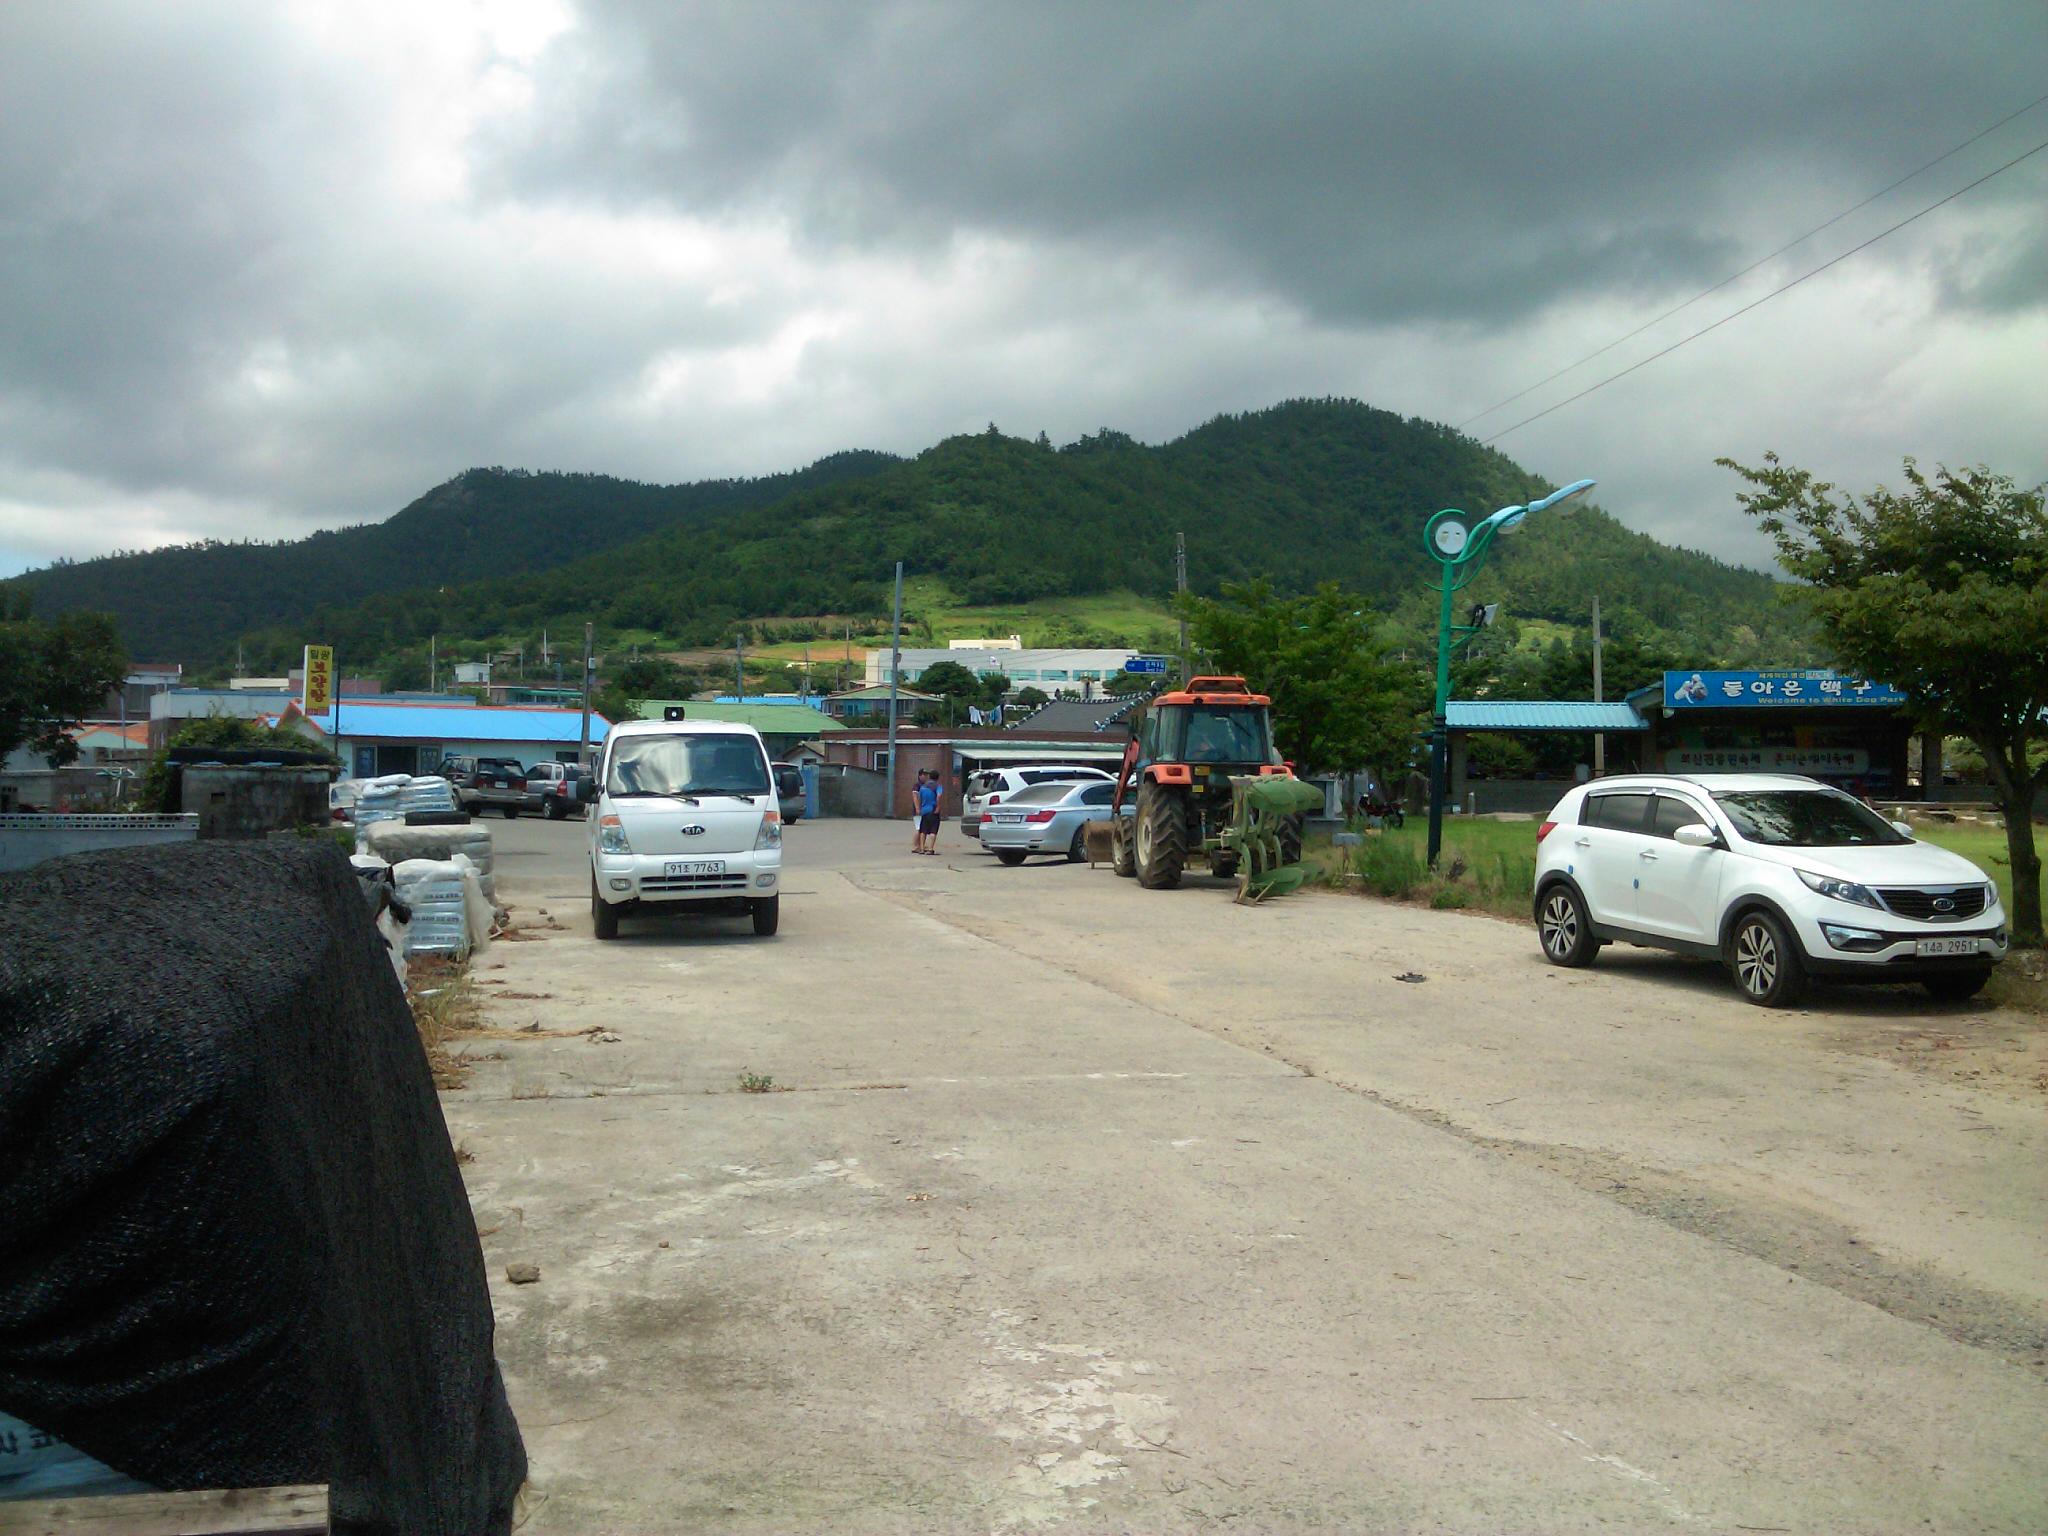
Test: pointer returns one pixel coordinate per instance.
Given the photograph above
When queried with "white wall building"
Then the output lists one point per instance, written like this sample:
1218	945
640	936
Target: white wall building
1048	670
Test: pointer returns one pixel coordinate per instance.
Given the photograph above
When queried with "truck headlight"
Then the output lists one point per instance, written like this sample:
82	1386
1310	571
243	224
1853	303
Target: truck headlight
1840	890
611	836
770	835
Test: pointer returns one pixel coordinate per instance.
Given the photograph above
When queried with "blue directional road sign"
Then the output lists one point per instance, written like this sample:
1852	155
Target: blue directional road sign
1149	664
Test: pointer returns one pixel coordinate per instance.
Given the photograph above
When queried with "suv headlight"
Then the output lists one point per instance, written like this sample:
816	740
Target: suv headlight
770	835
1990	894
1840	890
611	836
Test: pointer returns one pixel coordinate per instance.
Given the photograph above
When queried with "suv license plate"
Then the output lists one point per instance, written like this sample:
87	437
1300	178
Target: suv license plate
1945	947
694	867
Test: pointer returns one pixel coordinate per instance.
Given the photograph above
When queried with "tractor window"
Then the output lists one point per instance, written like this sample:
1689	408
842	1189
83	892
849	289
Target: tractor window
1225	736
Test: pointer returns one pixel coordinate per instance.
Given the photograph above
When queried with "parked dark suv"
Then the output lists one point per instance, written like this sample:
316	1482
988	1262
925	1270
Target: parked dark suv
496	782
551	789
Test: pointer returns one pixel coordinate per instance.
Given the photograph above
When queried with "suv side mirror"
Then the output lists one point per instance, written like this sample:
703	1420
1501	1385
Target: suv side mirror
1697	836
1903	828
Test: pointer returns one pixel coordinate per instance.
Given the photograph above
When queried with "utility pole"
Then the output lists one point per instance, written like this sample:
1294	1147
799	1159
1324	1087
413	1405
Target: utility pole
739	666
895	660
1599	741
804	688
583	752
433	664
1180	585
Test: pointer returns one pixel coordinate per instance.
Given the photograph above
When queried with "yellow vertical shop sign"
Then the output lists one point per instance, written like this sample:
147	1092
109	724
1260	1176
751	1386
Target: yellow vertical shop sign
318	696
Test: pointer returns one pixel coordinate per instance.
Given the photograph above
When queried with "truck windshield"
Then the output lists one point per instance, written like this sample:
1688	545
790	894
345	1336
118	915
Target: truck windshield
687	765
1226	736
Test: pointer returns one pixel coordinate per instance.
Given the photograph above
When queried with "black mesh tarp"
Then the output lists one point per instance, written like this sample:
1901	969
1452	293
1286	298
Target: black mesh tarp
235	1250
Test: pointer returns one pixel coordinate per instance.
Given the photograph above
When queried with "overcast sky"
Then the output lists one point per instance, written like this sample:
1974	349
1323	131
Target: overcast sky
274	267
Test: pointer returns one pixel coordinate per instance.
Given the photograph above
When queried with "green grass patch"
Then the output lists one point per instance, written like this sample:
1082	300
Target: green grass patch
1487	865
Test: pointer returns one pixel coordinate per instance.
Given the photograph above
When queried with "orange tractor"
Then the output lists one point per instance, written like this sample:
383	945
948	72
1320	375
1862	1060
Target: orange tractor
1208	783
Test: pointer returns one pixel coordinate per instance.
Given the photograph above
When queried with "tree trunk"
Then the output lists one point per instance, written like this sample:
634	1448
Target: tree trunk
2015	785
2026	867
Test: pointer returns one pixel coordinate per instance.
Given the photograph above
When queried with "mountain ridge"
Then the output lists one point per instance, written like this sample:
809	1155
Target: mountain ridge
1294	494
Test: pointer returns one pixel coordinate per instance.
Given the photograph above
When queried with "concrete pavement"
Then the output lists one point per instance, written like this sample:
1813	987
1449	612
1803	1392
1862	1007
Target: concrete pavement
1104	1209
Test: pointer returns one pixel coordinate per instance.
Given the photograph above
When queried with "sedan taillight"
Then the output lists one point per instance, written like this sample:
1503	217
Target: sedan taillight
1041	816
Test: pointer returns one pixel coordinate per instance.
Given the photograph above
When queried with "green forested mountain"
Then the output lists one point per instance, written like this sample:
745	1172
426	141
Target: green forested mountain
1308	491
191	602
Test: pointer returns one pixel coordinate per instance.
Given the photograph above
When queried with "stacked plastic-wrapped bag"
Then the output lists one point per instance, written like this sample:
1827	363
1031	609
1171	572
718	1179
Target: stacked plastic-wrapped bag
394	841
427	793
378	800
395	796
435	891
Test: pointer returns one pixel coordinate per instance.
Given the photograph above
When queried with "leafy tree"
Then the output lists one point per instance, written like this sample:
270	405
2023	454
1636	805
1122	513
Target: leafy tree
995	687
618	703
1126	683
1339	702
1028	697
949	680
649	677
1942	591
53	675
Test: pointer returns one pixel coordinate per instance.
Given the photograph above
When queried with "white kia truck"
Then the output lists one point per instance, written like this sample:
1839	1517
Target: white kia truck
684	812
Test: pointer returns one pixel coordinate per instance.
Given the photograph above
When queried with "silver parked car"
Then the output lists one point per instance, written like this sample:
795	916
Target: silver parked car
992	786
1046	818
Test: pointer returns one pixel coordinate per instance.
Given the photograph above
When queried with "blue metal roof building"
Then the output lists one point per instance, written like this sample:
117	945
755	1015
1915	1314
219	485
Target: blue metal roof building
1541	715
375	738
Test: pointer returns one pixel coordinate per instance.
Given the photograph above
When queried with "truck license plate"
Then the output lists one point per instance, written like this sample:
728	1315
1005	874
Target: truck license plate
694	867
1945	947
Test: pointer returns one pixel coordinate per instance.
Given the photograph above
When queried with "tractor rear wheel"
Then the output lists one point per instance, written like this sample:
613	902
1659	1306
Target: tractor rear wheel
1162	837
1123	856
1290	840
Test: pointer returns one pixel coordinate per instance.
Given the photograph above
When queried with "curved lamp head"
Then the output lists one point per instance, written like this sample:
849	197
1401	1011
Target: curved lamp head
1576	488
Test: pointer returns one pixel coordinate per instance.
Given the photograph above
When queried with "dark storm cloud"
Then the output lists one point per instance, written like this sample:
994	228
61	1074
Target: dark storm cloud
268	268
1369	163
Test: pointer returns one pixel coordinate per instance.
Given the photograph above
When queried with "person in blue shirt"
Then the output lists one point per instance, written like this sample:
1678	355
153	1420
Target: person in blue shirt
927	813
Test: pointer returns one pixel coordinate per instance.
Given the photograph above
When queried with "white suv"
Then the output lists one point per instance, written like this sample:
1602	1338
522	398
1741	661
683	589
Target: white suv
685	811
1780	878
992	786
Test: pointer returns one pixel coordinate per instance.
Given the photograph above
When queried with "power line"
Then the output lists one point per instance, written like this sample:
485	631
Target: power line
1753	303
1760	261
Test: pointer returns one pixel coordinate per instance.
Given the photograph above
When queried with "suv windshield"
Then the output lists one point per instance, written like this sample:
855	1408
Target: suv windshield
687	765
1806	818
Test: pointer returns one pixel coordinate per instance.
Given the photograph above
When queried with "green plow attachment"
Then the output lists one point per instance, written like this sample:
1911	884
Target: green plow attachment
1264	833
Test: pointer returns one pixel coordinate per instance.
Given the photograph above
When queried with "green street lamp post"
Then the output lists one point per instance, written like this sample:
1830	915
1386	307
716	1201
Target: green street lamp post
1459	547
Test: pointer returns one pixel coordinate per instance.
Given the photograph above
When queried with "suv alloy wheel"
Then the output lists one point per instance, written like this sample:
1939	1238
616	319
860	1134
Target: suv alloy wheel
1766	962
1562	925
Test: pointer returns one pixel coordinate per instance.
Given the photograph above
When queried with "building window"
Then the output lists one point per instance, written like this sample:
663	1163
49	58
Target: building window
1053	677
